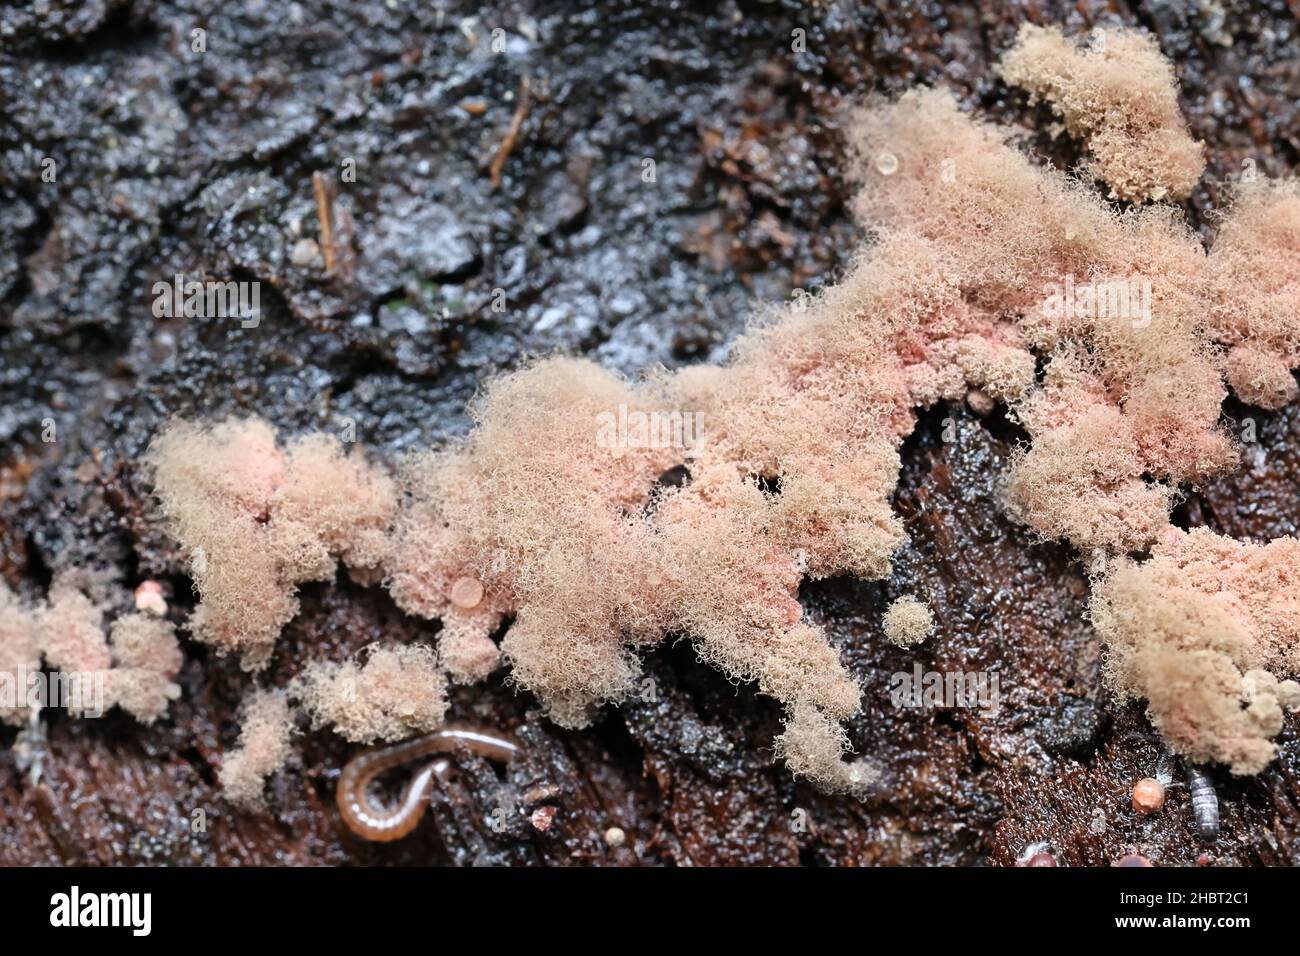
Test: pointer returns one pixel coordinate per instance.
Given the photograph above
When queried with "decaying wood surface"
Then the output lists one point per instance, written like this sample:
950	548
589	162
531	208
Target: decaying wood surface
171	160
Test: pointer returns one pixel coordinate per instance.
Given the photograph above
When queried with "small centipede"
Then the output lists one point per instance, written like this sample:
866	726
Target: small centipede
374	823
1205	802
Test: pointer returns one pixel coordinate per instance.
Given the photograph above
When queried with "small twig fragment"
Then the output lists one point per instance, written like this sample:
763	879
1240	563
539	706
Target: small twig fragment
323	189
512	135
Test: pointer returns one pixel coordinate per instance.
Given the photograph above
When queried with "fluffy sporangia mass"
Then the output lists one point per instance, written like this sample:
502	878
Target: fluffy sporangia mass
131	664
1116	92
1109	331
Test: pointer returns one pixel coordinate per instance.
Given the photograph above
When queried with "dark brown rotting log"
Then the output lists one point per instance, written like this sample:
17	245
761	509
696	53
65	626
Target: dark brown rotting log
749	203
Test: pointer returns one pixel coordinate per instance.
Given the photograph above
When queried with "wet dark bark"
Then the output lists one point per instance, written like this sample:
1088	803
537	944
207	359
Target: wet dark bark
169	160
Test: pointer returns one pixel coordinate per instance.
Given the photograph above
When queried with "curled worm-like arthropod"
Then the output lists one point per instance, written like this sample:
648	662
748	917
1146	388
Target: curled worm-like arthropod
370	822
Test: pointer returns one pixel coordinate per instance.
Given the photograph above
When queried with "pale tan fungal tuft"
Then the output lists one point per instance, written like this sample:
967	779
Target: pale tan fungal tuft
393	693
265	735
1107	333
908	622
1119	94
1205	631
146	660
256	521
19	652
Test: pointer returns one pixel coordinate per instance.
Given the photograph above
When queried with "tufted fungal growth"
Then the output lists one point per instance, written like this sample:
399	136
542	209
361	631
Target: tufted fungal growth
19	652
908	622
66	633
255	521
1201	631
1119	95
387	693
1131	391
264	746
1255	265
1108	333
70	631
396	692
146	660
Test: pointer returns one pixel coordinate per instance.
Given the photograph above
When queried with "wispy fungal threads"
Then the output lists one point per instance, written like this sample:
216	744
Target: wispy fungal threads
908	622
137	661
146	660
592	557
1201	631
386	693
1122	399
255	521
1118	94
264	746
19	651
1255	269
391	693
133	667
70	631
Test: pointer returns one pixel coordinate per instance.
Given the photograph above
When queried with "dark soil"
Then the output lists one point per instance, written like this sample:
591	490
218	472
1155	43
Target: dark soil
173	161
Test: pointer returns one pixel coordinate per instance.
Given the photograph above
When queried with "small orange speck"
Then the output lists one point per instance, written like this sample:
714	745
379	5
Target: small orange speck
149	598
1148	795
